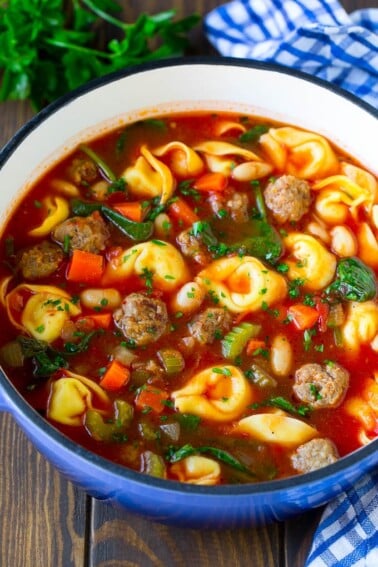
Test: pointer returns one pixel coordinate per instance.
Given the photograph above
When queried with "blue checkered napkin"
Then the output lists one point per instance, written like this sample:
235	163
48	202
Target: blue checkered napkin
314	36
348	531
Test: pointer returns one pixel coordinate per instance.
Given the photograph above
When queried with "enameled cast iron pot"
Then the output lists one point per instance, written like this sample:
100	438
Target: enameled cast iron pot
205	84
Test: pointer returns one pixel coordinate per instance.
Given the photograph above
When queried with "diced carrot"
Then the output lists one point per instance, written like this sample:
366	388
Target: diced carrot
254	345
85	267
211	182
102	320
180	210
132	211
151	398
323	311
303	316
115	377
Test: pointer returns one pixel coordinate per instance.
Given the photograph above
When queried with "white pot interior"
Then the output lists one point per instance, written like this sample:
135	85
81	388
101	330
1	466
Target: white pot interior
177	88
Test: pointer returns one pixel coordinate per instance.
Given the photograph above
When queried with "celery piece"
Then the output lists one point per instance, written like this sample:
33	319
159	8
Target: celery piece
235	341
153	464
172	360
113	430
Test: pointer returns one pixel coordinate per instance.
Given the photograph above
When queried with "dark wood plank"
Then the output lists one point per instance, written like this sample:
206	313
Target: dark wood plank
42	519
298	534
119	538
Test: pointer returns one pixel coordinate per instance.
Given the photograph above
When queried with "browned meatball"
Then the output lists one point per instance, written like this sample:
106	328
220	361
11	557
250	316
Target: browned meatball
192	247
40	261
235	204
288	198
206	325
84	233
314	455
321	386
83	171
142	319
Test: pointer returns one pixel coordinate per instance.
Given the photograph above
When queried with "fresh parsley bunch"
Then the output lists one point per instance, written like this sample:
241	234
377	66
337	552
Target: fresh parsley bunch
49	47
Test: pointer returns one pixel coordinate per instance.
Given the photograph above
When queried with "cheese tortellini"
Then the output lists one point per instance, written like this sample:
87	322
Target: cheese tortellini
242	284
150	177
276	428
41	310
364	408
361	324
220	156
197	470
312	262
72	395
184	161
158	259
56	210
218	394
304	154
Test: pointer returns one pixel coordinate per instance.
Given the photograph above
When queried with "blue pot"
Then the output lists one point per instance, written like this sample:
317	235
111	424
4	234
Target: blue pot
157	87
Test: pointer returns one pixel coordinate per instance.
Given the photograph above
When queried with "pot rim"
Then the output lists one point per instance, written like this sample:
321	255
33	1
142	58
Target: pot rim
318	477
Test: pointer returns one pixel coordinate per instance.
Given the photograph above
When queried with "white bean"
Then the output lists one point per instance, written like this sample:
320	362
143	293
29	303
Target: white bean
188	298
99	190
317	229
343	243
281	355
95	298
163	226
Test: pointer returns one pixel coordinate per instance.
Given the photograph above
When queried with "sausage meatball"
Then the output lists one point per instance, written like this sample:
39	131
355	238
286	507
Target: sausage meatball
84	233
236	204
193	247
288	198
207	324
40	261
321	386
314	455
142	319
83	171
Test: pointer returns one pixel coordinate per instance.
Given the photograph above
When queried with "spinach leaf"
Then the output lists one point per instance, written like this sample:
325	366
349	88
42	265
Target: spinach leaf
355	281
224	456
265	244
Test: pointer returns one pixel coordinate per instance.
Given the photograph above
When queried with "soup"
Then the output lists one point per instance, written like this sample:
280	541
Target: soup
194	297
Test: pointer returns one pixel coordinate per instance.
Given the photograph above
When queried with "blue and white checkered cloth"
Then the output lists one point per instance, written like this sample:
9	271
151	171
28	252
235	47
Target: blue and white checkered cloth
314	36
320	38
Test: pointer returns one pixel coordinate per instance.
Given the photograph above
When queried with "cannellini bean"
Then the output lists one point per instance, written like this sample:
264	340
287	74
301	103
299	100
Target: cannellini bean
99	190
343	241
250	170
188	298
368	245
124	355
163	226
96	297
281	355
318	230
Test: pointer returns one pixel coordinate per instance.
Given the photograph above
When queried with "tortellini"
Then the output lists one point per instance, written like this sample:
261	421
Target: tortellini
367	245
150	177
57	211
276	428
197	470
313	263
158	259
365	407
40	310
218	394
340	195
72	395
304	154
361	324
184	161
242	284
220	156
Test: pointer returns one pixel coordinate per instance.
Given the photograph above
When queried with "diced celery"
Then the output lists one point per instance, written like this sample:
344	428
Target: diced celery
172	360
235	341
153	464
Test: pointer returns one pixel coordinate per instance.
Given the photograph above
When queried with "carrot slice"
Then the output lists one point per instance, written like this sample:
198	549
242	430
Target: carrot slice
211	182
151	399
303	316
102	320
115	377
132	211
85	267
254	345
180	210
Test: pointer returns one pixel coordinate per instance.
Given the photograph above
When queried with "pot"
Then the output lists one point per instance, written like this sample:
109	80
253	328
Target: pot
183	85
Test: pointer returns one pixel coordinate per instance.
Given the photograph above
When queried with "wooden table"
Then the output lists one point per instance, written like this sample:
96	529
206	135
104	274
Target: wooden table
46	522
